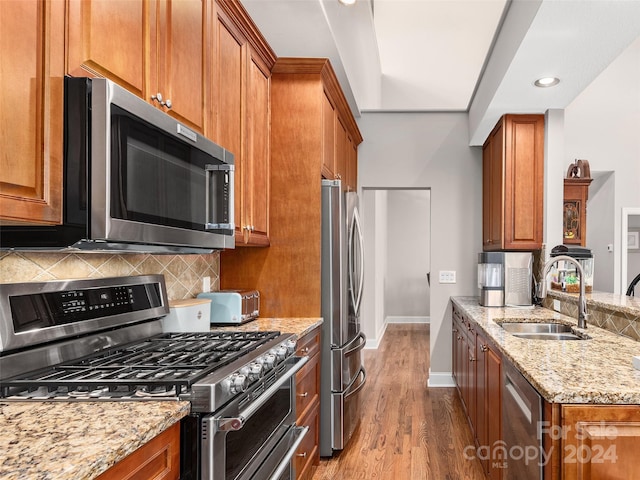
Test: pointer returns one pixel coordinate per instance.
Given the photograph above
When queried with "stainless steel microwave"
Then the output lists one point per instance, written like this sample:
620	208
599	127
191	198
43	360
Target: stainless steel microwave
135	179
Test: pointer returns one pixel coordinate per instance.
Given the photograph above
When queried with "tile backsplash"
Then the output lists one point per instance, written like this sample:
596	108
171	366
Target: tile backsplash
183	273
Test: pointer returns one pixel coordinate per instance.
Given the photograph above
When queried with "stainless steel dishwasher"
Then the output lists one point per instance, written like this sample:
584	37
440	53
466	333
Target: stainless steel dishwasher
521	417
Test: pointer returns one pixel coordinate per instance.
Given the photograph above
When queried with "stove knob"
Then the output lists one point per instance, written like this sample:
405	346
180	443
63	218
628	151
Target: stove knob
291	346
281	353
237	383
270	361
253	371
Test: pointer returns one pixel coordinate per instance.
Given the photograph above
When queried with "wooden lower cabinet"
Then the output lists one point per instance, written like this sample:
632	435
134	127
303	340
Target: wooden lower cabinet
477	372
158	459
600	441
308	405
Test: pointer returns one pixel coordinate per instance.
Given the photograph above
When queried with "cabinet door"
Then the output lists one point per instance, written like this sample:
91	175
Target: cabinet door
31	96
256	165
182	61
229	59
111	42
341	152
600	441
523	172
493	410
328	137
481	395
352	165
157	460
492	202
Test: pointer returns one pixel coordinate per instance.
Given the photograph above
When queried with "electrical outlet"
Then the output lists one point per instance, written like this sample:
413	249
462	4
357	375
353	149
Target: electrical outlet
206	284
556	305
447	276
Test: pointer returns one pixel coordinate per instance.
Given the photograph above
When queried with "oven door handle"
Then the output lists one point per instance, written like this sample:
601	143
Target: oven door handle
286	460
225	424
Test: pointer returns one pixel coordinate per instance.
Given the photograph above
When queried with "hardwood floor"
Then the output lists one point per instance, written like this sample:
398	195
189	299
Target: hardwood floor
407	432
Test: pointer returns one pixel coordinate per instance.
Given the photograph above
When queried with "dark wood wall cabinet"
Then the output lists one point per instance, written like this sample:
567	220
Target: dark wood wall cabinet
512	184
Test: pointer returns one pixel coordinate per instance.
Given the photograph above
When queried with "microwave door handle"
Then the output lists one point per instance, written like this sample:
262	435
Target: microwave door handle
229	172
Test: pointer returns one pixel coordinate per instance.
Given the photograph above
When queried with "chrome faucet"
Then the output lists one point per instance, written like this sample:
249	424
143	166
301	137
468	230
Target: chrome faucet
582	300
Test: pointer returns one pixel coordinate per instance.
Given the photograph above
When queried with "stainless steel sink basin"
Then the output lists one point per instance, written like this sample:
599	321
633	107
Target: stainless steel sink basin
529	327
542	331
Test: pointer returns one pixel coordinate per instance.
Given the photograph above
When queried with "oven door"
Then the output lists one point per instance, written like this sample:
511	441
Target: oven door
255	437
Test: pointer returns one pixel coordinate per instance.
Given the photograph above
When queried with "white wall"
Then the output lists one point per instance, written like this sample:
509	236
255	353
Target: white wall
408	242
422	150
600	229
373	208
602	125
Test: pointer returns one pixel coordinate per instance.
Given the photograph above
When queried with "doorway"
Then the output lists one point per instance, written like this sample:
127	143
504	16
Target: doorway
397	235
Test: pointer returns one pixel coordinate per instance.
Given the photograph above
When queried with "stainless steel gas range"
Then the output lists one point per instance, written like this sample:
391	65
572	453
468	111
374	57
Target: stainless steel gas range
102	340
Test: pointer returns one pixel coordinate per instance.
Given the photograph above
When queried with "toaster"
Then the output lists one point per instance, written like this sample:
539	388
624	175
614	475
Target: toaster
233	307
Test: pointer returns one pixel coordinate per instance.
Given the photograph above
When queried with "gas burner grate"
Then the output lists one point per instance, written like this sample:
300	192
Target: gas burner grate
156	367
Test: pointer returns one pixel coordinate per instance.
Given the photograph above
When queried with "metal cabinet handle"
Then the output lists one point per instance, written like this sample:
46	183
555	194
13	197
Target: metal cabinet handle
303	395
483	348
302	455
158	98
471	359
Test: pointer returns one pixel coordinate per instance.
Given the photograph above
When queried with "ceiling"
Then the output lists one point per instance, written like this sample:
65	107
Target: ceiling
479	56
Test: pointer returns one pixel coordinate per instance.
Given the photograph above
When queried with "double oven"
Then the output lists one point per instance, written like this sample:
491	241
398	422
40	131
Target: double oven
102	340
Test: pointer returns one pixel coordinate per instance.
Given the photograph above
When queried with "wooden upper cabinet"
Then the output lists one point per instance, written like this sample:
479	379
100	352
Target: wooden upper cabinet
341	152
182	61
31	95
328	137
94	50
513	168
161	47
241	100
256	181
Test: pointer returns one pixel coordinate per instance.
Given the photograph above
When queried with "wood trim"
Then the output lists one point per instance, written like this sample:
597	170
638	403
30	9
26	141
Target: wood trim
245	24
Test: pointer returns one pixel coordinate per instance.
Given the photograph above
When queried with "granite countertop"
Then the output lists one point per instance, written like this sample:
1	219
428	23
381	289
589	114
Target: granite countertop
598	370
81	440
298	326
76	441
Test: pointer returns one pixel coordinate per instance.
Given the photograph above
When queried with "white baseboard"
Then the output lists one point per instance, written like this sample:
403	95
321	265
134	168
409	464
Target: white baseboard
374	343
439	380
414	319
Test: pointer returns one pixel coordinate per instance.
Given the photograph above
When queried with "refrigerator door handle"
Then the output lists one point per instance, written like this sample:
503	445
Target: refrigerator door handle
363	341
359	387
355	229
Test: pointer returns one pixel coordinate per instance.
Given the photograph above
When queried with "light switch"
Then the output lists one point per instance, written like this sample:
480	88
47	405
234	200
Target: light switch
447	276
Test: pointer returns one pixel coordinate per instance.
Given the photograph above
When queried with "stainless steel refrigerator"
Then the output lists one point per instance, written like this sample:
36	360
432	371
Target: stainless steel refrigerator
342	376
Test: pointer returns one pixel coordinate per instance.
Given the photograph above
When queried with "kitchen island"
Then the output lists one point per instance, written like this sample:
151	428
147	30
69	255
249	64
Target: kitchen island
579	413
81	440
597	370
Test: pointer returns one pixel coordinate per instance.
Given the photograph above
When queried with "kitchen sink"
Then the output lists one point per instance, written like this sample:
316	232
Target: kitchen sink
542	331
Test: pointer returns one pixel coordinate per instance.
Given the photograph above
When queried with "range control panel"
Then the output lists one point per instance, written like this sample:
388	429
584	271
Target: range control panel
41	310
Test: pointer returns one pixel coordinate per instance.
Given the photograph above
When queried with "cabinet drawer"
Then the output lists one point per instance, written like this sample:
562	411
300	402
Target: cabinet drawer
158	459
309	345
308	453
307	385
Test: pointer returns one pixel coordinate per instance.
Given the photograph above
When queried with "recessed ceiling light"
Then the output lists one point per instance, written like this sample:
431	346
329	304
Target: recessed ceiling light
347	2
546	82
